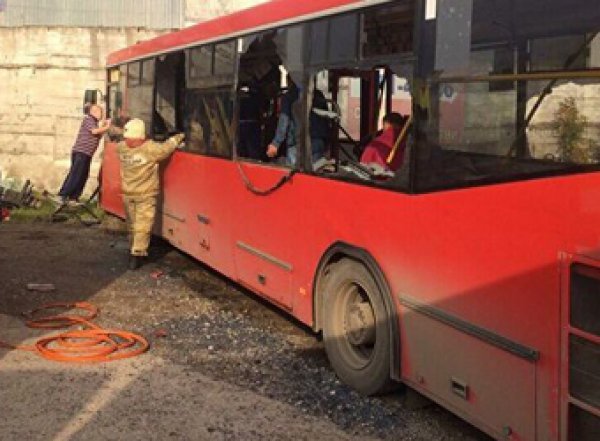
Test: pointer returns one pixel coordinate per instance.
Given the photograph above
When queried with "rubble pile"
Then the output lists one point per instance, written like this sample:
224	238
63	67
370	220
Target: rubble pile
11	199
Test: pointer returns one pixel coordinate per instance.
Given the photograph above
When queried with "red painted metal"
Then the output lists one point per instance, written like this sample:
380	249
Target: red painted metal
488	255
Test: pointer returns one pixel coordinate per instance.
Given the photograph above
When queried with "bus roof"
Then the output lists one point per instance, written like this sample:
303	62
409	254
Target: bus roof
265	15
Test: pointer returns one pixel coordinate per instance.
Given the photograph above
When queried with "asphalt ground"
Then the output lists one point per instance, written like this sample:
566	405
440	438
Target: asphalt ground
223	363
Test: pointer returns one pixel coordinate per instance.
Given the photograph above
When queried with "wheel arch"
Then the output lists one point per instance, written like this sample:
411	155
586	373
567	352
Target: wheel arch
335	253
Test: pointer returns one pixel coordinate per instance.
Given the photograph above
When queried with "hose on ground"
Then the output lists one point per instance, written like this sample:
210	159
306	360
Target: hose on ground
89	344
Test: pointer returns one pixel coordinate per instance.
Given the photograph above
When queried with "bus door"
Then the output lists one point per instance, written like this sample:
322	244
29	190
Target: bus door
267	210
175	221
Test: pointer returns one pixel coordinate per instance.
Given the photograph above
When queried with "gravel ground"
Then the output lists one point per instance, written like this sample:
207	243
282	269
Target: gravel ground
223	363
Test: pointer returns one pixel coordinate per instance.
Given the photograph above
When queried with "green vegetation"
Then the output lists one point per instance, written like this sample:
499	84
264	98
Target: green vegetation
569	127
44	212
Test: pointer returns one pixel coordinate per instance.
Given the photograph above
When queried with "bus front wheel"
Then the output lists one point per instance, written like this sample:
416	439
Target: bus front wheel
356	330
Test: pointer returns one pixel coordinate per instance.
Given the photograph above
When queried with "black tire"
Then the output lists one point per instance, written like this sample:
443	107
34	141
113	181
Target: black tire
356	329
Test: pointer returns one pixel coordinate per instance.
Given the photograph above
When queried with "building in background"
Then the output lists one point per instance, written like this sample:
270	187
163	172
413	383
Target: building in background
199	10
51	51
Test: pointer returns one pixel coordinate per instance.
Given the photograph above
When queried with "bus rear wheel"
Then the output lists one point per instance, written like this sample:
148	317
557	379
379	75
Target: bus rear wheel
356	331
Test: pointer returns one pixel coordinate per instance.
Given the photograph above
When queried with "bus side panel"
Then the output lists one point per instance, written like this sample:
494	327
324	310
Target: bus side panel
179	175
268	242
213	212
489	386
111	198
487	256
196	208
482	255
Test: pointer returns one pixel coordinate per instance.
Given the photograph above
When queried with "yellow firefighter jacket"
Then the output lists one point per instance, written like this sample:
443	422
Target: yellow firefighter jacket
139	165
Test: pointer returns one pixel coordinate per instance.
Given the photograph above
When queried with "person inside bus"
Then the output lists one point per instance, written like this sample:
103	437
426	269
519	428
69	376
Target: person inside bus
286	126
378	150
320	125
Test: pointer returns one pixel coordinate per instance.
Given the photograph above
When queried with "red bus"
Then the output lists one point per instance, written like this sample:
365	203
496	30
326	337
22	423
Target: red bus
471	270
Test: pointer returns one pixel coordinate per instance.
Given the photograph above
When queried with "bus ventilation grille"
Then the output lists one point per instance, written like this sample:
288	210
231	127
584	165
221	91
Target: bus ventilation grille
584	354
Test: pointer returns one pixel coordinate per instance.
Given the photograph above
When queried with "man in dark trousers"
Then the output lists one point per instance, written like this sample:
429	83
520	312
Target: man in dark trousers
92	128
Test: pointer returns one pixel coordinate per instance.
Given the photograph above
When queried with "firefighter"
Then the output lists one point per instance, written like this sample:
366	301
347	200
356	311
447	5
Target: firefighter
140	183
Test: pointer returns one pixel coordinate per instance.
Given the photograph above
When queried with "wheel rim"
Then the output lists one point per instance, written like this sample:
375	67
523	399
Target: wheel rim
358	325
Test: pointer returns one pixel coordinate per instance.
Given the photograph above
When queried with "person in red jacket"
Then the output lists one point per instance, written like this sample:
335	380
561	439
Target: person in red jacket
378	150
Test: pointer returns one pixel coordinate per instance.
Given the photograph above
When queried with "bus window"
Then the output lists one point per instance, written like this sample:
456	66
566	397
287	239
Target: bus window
343	41
209	99
201	62
357	89
521	105
334	40
359	124
115	98
117	101
169	89
209	115
133	74
270	96
140	91
147	77
388	30
225	59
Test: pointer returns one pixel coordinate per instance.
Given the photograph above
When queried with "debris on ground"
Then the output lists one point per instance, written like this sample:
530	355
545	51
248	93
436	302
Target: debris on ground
4	214
11	199
157	274
41	287
82	211
161	333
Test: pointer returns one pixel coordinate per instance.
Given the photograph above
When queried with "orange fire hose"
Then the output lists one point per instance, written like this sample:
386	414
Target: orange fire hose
91	344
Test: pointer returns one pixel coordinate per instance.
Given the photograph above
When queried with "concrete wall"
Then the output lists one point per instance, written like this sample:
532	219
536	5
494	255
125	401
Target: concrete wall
147	14
201	10
43	73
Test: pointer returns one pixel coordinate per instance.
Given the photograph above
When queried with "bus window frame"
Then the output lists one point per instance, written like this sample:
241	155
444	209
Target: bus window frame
130	78
110	85
139	83
218	84
189	64
426	42
359	62
395	56
362	63
328	64
180	103
212	80
299	166
143	80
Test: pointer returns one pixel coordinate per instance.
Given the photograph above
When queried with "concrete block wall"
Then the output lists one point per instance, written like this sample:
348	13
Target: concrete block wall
43	74
201	10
